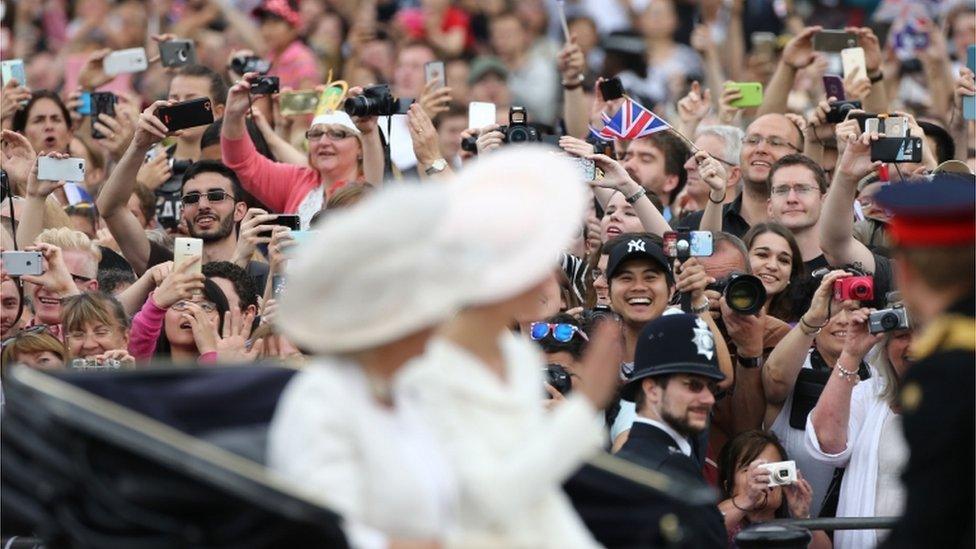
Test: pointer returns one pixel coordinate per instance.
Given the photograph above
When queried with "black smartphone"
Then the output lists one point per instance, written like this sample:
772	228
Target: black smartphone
897	149
834	40
291	221
612	88
101	102
177	53
265	85
186	114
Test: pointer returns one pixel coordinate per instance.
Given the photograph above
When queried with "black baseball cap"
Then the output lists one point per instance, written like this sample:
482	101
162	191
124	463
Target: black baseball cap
673	344
637	247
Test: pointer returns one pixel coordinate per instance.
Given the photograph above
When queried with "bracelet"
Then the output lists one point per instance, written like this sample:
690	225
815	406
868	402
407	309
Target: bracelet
724	195
739	508
814	329
636	196
749	363
700	310
573	85
847	374
878	78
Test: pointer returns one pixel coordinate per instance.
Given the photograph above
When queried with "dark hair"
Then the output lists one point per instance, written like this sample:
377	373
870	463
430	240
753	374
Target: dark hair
743	450
212	166
797	159
574	346
20	117
147	201
218	88
111	279
945	147
242	282
213	294
781	305
675	153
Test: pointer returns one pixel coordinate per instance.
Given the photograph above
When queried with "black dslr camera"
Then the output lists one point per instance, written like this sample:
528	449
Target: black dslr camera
744	293
518	129
558	377
840	109
376	101
265	85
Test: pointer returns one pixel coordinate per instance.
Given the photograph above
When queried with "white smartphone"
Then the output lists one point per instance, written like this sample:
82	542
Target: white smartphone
896	126
853	61
125	61
55	169
13	69
185	249
435	71
480	114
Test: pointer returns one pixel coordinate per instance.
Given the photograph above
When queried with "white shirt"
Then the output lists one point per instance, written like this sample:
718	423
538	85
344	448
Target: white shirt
378	467
511	458
681	441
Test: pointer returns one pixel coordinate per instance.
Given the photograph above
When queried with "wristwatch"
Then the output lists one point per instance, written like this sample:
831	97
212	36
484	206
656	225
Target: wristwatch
436	166
750	363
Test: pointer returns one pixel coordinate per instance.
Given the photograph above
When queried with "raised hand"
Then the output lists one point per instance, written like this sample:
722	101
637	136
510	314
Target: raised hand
817	314
859	340
727	113
489	139
178	285
856	162
41	188
56	278
18	157
426	144
434	100
256	222
798	52
150	129
570	61
93	71
14	94
154	173
798	497
694	106
365	124
234	344
713	173
117	131
690	277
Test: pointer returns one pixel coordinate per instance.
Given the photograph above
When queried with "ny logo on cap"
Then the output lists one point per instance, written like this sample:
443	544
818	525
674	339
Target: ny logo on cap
636	245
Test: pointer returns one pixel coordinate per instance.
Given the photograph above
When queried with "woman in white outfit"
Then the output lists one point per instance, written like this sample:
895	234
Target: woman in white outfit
856	425
364	296
481	387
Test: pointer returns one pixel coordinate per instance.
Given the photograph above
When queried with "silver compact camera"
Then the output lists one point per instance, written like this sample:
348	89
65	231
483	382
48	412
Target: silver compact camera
781	473
93	364
887	320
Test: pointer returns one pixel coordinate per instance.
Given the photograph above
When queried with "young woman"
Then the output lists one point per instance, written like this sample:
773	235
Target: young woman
775	258
748	496
95	326
34	347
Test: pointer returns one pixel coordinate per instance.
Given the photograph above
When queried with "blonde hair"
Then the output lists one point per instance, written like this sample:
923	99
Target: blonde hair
94	307
70	239
31	342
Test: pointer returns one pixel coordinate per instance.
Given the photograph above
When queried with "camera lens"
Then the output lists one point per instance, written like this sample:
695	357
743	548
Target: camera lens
517	135
889	321
861	291
784	473
357	106
745	294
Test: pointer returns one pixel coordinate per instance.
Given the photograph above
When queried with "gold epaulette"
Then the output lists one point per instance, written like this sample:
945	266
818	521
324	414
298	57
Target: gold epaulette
948	333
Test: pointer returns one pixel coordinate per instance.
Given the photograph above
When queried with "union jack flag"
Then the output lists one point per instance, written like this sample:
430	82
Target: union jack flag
631	121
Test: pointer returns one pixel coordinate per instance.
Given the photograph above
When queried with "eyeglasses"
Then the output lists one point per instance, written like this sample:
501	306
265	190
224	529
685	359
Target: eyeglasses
100	333
183	305
333	135
595	274
800	190
696	385
754	141
561	332
36	329
215	195
79	278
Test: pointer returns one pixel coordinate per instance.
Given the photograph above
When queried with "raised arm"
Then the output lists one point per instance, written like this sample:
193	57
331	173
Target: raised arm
616	178
784	363
572	64
713	173
877	99
837	237
693	107
797	54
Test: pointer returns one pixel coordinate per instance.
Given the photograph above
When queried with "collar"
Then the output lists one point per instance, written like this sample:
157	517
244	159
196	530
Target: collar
683	444
735	206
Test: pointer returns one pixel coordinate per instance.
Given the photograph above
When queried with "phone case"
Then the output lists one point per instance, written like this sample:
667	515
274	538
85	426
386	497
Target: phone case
184	249
481	114
853	61
177	53
834	40
834	87
587	168
897	149
13	69
125	61
435	71
896	126
752	94
188	114
701	244
298	102
85	105
68	169
969	107
971	57
23	263
101	102
612	89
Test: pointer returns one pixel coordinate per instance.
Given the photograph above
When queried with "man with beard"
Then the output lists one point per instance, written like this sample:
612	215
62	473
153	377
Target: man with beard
210	194
769	138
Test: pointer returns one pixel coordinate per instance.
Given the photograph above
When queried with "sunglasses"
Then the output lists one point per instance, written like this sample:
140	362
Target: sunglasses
36	329
696	386
561	332
215	195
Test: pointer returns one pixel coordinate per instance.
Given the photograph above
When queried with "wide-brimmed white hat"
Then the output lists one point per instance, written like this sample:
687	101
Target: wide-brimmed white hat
409	256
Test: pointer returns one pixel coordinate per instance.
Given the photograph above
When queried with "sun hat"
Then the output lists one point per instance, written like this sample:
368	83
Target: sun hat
338	118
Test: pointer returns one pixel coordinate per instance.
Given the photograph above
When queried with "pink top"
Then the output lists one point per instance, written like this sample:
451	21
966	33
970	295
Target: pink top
146	326
280	186
294	66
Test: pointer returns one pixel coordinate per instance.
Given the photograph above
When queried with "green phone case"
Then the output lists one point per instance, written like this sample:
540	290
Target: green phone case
752	94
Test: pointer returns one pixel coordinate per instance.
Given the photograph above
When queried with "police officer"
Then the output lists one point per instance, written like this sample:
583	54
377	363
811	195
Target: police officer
934	237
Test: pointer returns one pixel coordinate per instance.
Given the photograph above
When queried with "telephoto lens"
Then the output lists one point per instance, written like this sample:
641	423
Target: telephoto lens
743	293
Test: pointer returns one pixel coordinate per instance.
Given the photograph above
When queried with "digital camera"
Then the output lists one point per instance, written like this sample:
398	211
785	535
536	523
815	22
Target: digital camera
518	129
888	320
858	288
558	377
376	101
744	293
839	110
92	364
781	473
177	53
265	85
249	63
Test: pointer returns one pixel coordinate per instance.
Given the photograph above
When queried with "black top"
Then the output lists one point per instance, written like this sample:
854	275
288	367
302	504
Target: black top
258	271
732	220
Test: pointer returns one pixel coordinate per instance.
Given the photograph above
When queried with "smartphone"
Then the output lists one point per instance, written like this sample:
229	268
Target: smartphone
125	61
862	119
84	106
434	71
834	86
23	263
481	114
897	149
685	244
612	88
763	43
177	53
67	169
752	94
969	101
185	249
291	221
586	167
896	126
186	114
853	61
298	102
13	69
101	102
834	40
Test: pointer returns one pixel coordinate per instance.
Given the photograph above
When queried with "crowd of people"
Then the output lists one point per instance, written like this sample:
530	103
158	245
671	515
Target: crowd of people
751	296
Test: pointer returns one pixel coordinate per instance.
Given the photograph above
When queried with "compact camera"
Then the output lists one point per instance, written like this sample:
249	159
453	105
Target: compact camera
781	473
518	129
744	293
264	85
92	364
249	63
376	101
177	53
840	109
858	288
558	377
888	320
